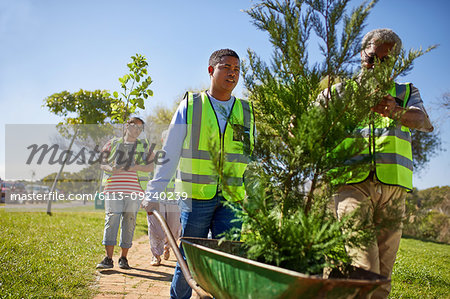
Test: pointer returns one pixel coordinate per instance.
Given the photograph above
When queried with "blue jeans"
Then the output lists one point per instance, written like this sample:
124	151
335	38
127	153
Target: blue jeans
203	216
121	211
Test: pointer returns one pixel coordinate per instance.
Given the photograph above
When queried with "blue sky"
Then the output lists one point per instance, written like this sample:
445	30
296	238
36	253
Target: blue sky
47	46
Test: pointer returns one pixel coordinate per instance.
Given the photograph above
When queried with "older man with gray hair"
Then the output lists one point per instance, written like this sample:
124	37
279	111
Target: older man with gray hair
379	191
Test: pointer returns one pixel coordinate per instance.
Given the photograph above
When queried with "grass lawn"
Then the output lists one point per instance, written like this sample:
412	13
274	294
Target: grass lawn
422	270
43	256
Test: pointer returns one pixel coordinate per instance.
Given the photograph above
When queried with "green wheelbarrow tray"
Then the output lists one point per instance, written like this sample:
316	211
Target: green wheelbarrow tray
221	270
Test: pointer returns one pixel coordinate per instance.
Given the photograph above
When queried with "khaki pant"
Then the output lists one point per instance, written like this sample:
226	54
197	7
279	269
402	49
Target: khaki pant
378	204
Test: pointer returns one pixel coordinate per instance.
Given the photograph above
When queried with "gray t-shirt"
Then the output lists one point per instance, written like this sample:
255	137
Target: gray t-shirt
222	109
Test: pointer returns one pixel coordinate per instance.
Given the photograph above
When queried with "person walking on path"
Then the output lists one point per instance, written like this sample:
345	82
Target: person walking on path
212	120
378	192
126	168
159	244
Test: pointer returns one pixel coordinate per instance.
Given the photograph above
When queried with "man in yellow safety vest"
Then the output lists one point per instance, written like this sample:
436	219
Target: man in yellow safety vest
378	191
210	121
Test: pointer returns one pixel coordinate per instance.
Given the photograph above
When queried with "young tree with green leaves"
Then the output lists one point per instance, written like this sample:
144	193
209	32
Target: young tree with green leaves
135	90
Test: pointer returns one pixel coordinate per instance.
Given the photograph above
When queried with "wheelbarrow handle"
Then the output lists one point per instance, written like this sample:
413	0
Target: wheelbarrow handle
184	267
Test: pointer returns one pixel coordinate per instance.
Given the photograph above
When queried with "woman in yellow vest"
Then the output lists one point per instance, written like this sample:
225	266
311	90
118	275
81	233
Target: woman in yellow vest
379	190
212	120
126	172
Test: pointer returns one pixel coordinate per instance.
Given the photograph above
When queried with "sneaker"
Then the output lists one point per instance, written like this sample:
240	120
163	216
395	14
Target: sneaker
123	263
156	261
166	253
107	263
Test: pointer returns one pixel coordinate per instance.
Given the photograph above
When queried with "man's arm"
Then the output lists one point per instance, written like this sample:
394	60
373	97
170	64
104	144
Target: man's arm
414	116
409	117
172	147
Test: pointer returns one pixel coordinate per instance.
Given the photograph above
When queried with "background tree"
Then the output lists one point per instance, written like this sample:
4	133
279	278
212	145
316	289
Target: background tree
427	145
424	146
446	101
298	154
428	214
84	181
159	119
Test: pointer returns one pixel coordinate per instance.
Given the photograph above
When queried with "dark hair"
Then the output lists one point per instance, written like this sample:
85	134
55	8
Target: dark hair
215	57
134	118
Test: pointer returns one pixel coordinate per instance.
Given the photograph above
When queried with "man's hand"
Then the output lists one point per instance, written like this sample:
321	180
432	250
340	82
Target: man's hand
387	107
409	117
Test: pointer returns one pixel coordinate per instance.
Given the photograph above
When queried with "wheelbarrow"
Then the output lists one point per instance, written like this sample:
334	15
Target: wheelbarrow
220	270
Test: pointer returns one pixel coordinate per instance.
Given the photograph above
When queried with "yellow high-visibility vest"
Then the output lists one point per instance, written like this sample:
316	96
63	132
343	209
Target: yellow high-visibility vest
142	148
390	151
198	175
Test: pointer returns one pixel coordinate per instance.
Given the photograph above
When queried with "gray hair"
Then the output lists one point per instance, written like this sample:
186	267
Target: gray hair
382	36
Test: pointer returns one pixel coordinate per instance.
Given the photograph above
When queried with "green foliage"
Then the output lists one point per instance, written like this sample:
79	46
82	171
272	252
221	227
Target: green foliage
135	90
421	270
424	146
436	226
85	181
82	107
298	151
297	241
428	214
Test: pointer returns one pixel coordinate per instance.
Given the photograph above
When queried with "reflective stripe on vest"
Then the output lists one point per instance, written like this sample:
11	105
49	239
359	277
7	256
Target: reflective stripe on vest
392	156
142	148
198	176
